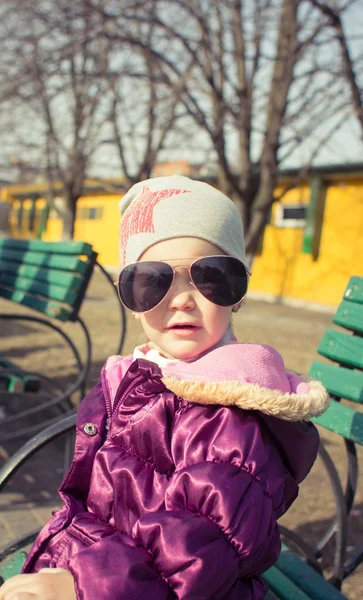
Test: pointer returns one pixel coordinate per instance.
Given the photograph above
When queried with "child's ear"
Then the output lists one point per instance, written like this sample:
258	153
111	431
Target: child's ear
237	306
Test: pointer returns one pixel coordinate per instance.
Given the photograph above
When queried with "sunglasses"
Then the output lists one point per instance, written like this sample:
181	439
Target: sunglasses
222	280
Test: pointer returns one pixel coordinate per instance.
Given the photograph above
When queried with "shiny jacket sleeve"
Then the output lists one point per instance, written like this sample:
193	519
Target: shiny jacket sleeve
220	517
218	525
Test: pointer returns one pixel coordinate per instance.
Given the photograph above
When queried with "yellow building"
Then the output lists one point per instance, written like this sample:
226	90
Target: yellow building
97	216
314	241
311	246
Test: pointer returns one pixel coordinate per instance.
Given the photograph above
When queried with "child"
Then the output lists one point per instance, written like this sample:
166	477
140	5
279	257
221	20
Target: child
188	451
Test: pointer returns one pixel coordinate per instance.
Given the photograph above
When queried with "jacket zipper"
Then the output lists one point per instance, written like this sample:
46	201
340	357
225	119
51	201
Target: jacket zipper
107	399
108	402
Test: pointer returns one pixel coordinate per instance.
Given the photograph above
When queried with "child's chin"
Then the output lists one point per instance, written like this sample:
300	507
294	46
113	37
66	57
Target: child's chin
187	354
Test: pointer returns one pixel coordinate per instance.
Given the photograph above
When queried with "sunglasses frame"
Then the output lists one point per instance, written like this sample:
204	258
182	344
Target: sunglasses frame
168	261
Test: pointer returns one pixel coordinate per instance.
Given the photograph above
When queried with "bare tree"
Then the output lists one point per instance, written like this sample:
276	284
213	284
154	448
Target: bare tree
333	15
59	87
145	109
254	79
143	116
251	77
78	89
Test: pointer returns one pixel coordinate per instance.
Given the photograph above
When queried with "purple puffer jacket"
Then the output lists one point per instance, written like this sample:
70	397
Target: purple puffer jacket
179	476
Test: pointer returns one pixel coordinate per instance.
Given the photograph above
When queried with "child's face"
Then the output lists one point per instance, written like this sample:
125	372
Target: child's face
185	324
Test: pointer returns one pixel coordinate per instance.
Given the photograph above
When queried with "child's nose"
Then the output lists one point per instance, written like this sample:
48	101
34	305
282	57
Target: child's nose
181	291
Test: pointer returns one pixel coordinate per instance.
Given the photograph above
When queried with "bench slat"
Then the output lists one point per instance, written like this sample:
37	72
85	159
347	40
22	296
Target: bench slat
354	290
48	290
350	316
67	280
342	348
52	309
70	247
306	579
281	585
343	420
339	381
13	566
53	261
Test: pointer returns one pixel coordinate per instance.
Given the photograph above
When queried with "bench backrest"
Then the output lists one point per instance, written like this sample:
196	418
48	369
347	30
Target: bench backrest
344	377
49	277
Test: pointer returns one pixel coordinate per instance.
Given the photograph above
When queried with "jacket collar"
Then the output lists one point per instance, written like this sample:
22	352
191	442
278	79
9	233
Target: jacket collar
248	376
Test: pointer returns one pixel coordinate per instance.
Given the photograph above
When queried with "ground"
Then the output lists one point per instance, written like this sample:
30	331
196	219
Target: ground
295	332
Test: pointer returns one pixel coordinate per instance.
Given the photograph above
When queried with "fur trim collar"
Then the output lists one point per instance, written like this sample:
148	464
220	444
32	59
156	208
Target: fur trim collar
249	396
251	377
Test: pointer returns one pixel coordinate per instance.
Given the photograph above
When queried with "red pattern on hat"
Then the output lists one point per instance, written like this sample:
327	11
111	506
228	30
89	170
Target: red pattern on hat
139	216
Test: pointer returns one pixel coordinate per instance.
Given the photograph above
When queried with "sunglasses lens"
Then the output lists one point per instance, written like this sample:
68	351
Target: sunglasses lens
143	285
220	279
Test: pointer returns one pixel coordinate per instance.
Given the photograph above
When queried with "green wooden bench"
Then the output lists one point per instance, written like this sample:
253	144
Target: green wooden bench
51	278
291	577
343	378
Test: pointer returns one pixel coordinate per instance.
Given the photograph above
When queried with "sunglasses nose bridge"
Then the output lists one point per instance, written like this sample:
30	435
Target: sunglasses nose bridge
186	268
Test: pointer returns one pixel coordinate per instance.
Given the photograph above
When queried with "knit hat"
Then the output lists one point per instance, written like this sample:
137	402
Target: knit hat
163	208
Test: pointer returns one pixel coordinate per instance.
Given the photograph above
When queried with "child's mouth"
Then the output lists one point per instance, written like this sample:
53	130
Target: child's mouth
184	329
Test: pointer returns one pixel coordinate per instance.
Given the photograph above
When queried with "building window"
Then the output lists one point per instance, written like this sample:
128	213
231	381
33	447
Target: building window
90	212
82	212
290	215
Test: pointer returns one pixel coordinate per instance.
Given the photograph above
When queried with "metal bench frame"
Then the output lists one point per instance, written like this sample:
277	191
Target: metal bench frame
343	379
61	397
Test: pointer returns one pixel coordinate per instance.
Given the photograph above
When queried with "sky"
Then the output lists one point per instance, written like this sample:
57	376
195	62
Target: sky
345	146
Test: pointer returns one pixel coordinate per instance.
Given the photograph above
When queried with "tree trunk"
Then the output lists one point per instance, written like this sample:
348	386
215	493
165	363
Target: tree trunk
281	82
69	215
347	61
258	221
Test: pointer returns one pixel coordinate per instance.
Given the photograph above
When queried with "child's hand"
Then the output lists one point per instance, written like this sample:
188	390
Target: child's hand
48	584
